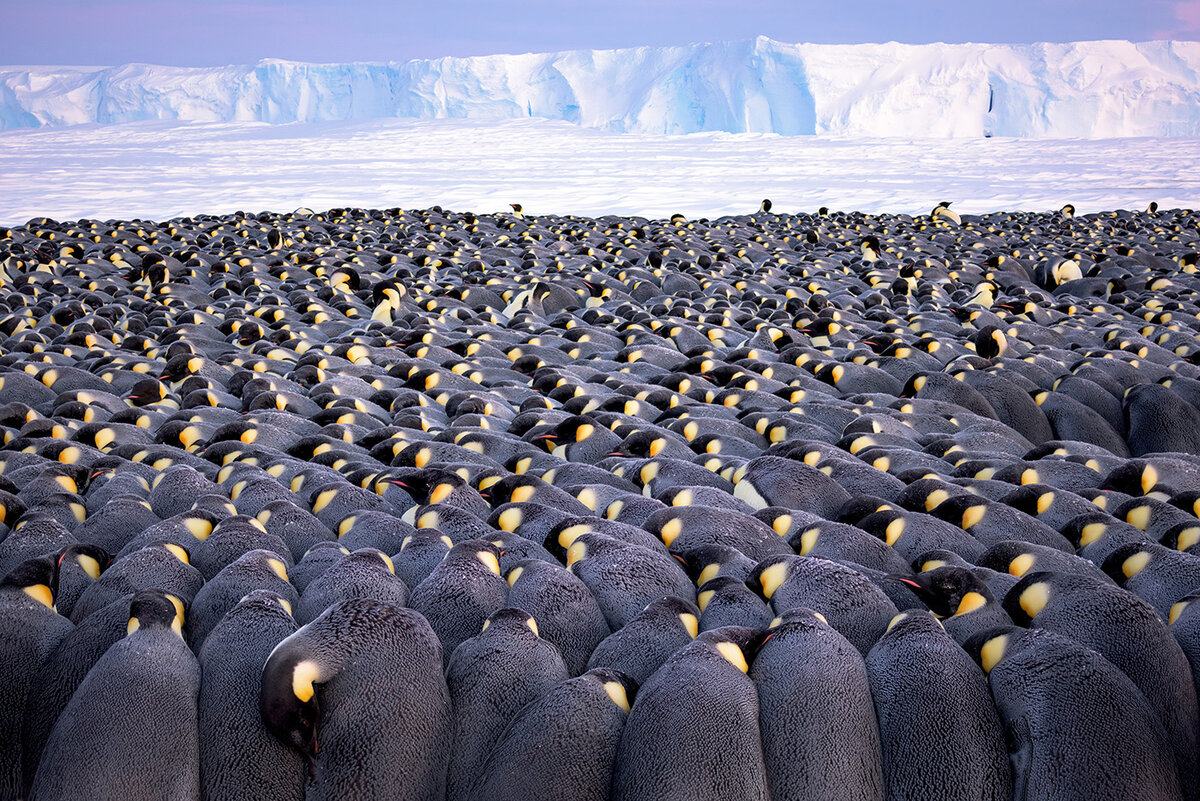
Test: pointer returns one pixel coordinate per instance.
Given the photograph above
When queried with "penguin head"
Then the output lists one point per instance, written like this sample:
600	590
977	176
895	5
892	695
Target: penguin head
705	562
1127	561
428	485
475	554
793	620
1087	528
990	646
641	445
990	342
949	590
92	559
1134	477
289	694
512	489
36	578
155	609
562	536
1028	597
769	574
511	620
619	687
1181	536
739	645
146	392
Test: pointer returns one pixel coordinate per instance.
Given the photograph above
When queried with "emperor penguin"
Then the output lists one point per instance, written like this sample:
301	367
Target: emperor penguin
130	731
693	731
1077	727
943	213
360	693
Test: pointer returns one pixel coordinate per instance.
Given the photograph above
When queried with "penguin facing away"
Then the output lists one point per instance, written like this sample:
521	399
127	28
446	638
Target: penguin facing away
360	693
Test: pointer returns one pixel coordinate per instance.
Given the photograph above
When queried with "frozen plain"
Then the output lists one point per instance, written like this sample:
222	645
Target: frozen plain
159	170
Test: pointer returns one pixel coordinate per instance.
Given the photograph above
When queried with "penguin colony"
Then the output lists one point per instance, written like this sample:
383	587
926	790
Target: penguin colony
433	505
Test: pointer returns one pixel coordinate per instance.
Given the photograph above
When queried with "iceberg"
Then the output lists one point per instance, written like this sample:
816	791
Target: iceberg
1094	90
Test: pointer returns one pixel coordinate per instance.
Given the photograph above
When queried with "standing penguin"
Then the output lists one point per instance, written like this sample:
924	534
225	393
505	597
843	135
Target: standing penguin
848	599
255	570
918	673
693	731
1127	632
360	692
239	758
491	676
461	592
562	746
566	610
1077	727
642	645
819	734
625	578
62	672
130	730
29	631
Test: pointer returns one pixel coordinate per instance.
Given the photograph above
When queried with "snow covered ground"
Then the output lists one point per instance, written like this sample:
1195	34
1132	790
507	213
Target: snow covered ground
159	170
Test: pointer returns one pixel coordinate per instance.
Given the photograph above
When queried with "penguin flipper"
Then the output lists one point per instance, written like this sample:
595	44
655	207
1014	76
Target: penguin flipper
1020	756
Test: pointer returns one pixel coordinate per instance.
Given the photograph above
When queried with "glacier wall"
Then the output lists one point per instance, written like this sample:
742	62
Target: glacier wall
1082	89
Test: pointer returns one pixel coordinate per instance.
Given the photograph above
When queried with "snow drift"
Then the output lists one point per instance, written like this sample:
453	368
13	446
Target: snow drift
1083	89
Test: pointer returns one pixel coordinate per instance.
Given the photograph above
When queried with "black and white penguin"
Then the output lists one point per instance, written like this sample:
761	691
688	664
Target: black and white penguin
359	692
144	689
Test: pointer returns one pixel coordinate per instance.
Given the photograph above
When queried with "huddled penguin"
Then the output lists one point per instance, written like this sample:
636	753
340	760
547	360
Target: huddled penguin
239	757
143	690
30	629
567	611
815	704
641	646
1127	632
1077	727
693	730
359	693
491	677
461	592
850	602
563	745
634	430
917	670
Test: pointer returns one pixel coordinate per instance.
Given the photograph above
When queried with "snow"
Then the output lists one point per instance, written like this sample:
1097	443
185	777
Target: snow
159	170
1084	89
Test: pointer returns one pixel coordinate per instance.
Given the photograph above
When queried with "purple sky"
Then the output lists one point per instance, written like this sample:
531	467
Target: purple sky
199	33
